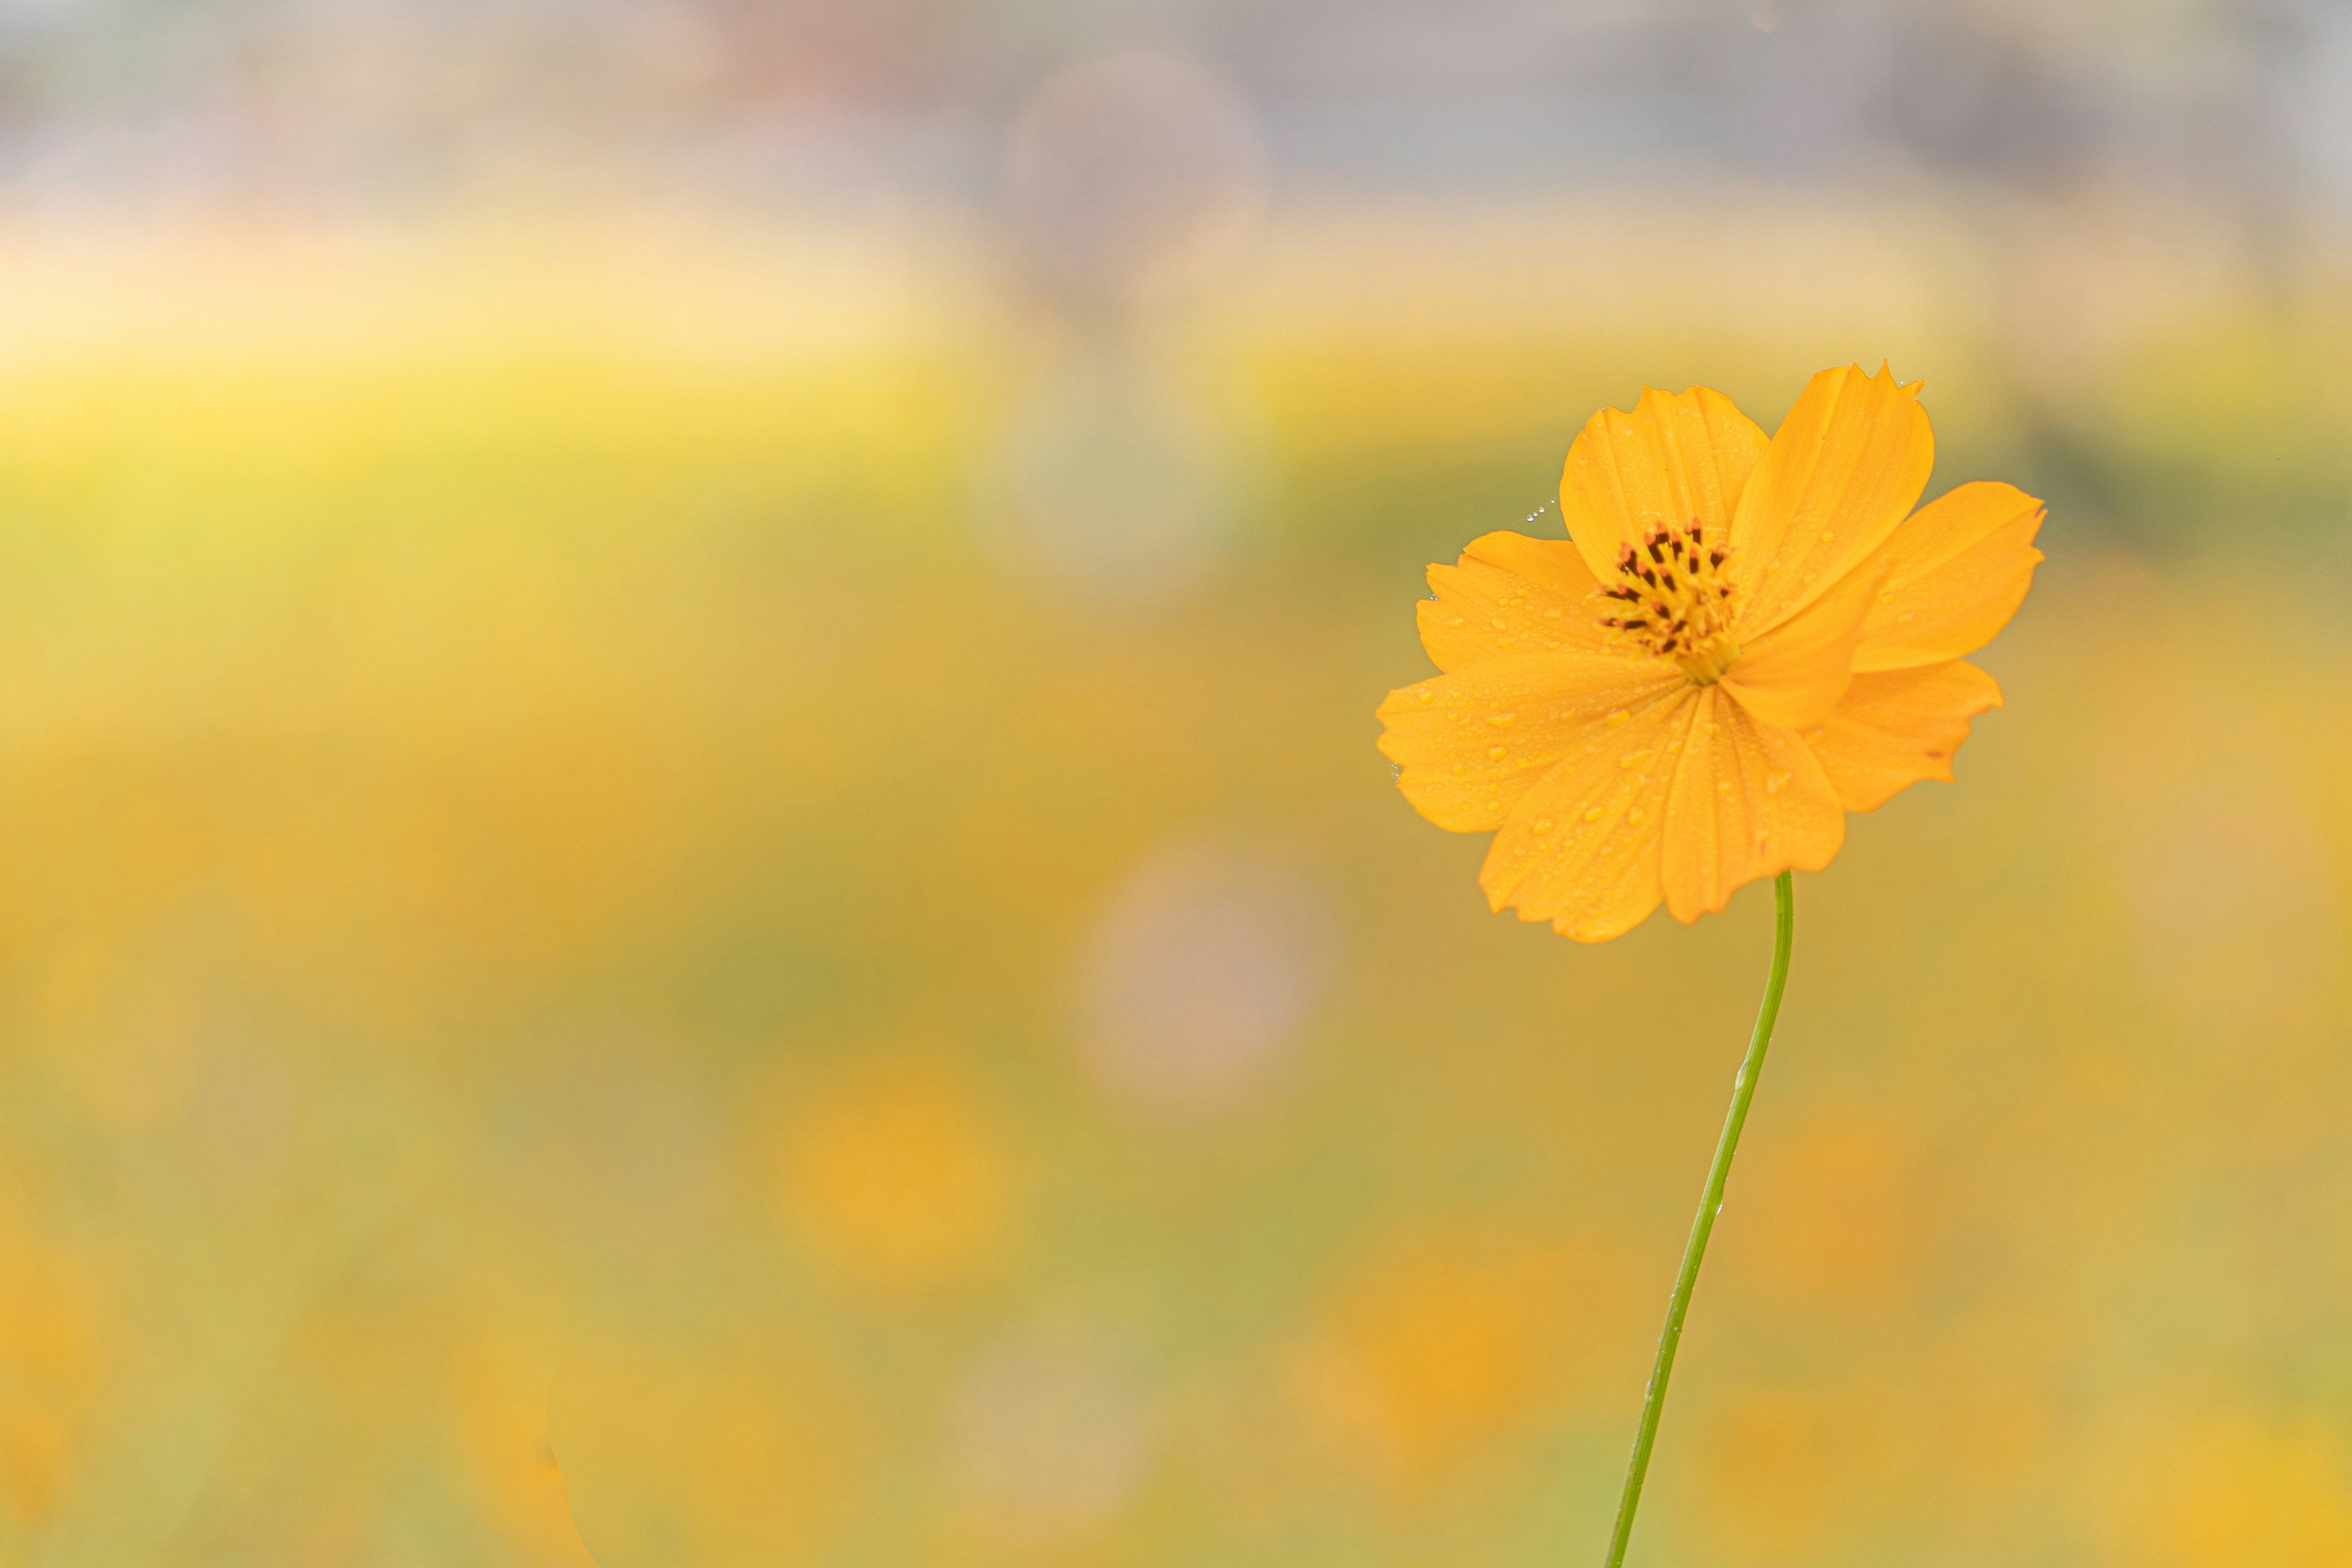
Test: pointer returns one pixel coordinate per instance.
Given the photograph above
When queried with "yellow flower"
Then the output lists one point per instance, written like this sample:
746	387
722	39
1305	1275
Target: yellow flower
1740	641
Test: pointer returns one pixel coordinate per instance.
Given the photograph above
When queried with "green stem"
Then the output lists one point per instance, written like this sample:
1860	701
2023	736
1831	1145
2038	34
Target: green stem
1710	1203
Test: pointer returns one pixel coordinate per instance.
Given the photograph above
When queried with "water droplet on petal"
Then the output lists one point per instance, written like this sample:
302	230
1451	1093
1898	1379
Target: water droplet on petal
1594	815
1496	753
1500	718
1635	759
1542	824
1772	783
1618	716
1638	813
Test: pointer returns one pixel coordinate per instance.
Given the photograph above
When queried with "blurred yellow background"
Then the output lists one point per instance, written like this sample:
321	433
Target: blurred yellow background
691	868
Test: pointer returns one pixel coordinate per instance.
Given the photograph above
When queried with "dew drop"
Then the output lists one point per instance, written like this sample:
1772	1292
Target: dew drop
1552	614
1499	719
1426	695
1500	624
1542	824
1496	753
1618	716
1637	813
1594	815
1635	759
1772	783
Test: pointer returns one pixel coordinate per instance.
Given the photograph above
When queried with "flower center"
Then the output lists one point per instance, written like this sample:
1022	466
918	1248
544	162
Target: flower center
1677	601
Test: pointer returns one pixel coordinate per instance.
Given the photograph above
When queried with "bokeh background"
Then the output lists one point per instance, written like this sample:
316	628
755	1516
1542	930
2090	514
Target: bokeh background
691	868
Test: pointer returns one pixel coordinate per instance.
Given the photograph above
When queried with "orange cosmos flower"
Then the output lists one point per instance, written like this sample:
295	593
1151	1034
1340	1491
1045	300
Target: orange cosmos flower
1740	641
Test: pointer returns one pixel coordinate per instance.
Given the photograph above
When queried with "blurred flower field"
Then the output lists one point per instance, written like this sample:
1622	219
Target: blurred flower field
714	889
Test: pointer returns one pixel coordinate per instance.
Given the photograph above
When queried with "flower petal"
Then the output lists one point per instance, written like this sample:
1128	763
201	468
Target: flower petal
1792	678
1679	457
1507	596
1962	565
1896	727
1470	744
1581	849
1749	801
1844	469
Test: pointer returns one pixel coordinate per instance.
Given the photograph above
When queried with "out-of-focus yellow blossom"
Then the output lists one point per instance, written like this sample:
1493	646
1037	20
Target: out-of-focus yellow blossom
894	1182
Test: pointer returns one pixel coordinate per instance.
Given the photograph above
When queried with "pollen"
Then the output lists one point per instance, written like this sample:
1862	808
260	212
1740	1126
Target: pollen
1673	599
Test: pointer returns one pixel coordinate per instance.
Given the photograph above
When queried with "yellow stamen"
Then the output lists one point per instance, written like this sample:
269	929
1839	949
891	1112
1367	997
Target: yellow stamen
1676	601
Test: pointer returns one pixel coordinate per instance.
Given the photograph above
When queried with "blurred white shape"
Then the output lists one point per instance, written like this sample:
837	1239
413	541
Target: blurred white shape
1206	965
2318	103
1117	484
1133	174
1049	1435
